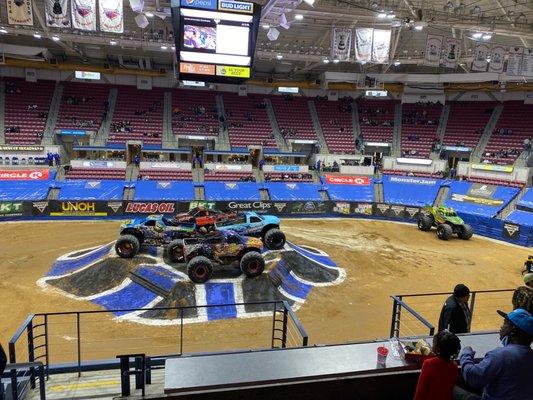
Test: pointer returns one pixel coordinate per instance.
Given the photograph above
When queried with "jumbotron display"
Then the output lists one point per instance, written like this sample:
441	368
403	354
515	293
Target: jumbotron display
215	41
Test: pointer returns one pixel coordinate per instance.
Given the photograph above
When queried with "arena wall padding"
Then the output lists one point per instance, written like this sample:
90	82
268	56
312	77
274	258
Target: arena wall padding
91	190
293	191
521	217
24	190
163	190
363	193
526	202
411	191
231	191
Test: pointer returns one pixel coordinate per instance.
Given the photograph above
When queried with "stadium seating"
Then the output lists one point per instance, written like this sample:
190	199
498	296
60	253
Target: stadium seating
363	193
163	190
143	109
417	135
501	182
412	191
466	122
293	191
19	95
24	190
78	116
405	173
521	217
379	111
248	124
187	118
91	190
225	175
518	118
294	114
165	175
527	199
231	191
95	173
332	120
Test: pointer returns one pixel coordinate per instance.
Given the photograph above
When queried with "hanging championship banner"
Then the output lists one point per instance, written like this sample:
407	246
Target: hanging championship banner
452	52
380	46
527	63
363	44
19	12
433	50
83	14
341	43
111	16
481	53
497	58
57	15
514	63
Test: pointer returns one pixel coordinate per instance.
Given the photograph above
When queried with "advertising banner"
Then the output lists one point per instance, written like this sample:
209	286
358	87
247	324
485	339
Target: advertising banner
481	53
482	190
286	168
511	231
412	180
79	208
274	207
111	16
452	52
493	167
40	208
19	12
57	13
150	207
497	58
341	45
476	200
24	174
11	209
433	50
83	14
8	147
514	62
99	164
347	180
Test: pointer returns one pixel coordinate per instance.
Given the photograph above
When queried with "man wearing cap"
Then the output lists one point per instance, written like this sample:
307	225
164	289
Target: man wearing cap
523	295
505	373
455	315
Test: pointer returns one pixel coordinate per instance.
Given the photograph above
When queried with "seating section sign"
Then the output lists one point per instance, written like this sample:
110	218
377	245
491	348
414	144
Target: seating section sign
23	174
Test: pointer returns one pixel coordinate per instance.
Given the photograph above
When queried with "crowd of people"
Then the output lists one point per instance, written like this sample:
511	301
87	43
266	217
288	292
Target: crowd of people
53	159
74	100
121	126
503	153
286	176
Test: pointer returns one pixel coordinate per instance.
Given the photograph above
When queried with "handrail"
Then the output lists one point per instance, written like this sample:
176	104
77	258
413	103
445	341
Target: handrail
297	322
395	324
12	368
450	293
22	328
414	313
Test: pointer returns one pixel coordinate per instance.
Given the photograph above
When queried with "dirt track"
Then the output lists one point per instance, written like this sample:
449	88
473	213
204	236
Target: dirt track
380	258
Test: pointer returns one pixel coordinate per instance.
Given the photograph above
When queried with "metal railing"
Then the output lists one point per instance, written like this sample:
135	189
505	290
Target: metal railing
412	313
22	375
78	339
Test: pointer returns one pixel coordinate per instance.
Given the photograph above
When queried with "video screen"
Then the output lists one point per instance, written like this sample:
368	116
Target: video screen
199	37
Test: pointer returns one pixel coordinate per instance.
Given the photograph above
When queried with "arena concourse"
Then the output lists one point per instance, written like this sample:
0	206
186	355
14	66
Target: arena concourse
309	199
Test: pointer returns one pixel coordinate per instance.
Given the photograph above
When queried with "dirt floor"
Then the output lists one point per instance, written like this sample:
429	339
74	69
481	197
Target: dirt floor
380	258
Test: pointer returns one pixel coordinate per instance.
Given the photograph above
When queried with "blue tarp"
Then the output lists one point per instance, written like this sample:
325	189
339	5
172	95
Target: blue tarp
159	190
527	199
412	191
231	191
91	190
293	191
351	192
521	218
24	190
459	188
493	228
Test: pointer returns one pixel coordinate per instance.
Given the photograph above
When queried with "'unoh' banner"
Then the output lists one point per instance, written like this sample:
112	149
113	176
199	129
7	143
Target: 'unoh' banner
84	14
57	15
111	16
23	174
347	180
19	12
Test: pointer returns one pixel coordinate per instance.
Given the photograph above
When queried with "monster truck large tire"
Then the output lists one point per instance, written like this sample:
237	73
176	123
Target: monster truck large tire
175	251
127	246
199	269
465	232
444	231
252	264
274	239
425	222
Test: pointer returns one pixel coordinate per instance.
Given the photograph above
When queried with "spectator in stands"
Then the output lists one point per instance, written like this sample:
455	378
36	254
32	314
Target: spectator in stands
261	164
57	160
50	159
318	165
137	160
439	374
455	315
523	295
505	372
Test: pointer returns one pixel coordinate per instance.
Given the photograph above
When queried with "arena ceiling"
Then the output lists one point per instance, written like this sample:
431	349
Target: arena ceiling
304	42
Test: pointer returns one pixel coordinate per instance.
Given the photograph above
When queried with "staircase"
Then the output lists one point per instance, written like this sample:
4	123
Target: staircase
258	175
487	133
101	136
441	197
509	208
53	194
280	140
264	195
316	176
169	140
223	142
53	112
318	128
443	121
2	112
324	195
378	192
396	149
60	175
132	172
198	175
356	126
199	193
129	193
521	160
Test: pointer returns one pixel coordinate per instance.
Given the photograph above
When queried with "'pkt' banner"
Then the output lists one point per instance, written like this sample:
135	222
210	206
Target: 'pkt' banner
11	209
347	180
154	207
78	208
23	174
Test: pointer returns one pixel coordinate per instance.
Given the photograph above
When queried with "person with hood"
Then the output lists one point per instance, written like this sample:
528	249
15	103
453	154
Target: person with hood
455	315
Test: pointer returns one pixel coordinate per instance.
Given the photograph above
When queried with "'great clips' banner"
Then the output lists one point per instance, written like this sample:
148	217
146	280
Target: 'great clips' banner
19	12
111	16
84	14
57	15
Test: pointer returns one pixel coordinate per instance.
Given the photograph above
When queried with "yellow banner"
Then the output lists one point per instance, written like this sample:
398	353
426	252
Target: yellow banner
233	72
492	167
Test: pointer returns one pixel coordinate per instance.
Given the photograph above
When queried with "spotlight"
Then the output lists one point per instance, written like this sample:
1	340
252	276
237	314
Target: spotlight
3	30
112	42
382	15
279	56
266	26
163	47
325	61
310	2
149	14
487	36
298	17
477	35
336	61
37	35
55	38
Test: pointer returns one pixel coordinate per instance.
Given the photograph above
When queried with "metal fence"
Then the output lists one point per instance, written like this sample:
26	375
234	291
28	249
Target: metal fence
416	314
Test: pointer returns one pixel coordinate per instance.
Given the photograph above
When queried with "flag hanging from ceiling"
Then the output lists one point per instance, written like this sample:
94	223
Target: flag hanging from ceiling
19	12
380	45
341	43
481	53
83	14
452	52
111	16
514	63
497	57
527	63
433	50
57	15
363	44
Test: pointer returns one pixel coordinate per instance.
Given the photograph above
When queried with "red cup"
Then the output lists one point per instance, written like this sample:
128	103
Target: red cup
383	352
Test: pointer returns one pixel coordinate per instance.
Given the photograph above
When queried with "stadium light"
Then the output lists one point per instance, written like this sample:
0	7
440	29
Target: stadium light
325	61
3	30
163	47
266	26
487	36
382	15
477	35
279	56
149	14
55	38
112	42
298	17
310	2
37	35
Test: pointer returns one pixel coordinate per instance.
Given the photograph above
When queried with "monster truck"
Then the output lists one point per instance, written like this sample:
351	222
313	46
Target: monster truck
447	222
154	230
250	223
204	215
222	248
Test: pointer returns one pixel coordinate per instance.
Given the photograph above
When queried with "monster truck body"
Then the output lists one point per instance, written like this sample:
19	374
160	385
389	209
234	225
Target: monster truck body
446	221
204	215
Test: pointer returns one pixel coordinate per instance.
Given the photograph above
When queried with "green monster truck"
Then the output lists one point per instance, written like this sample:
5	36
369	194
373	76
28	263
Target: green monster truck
447	222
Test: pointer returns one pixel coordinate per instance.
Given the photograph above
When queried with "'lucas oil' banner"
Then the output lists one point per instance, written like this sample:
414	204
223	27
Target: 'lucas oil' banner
111	16
84	14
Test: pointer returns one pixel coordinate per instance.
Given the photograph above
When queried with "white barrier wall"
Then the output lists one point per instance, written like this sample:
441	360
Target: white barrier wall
98	164
229	167
25	151
286	168
433	166
357	170
490	171
182	166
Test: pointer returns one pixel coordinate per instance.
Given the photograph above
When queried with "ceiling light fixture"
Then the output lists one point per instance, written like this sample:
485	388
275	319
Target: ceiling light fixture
149	14
3	30
487	36
37	35
298	17
112	42
55	38
382	15
477	35
336	61
279	56
163	47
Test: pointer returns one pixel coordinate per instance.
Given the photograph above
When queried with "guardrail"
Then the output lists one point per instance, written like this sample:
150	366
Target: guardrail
422	308
17	391
77	341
